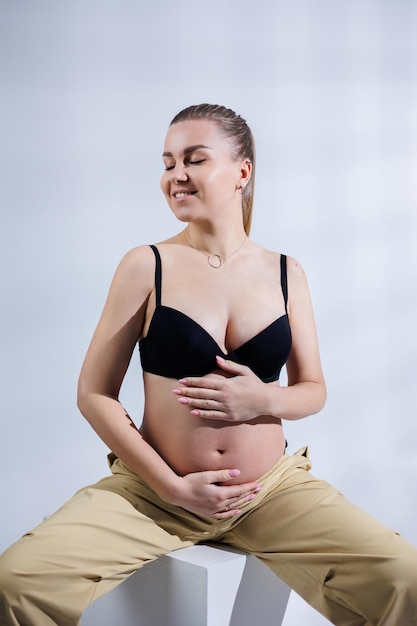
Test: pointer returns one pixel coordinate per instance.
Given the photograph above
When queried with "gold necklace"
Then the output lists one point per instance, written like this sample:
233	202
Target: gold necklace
215	260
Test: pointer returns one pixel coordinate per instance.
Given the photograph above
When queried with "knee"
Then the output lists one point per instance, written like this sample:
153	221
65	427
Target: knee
14	573
9	591
404	573
398	576
405	560
10	580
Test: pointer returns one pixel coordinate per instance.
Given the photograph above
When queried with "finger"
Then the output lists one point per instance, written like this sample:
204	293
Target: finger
197	393
204	403
231	366
229	508
233	507
218	416
226	514
204	382
232	492
209	409
236	504
216	477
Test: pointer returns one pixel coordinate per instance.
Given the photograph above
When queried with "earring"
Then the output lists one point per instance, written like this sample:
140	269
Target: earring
241	190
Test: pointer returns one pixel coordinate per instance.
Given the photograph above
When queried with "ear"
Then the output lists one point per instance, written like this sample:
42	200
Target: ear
245	172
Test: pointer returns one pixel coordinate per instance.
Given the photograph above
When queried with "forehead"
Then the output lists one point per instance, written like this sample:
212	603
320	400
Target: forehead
195	132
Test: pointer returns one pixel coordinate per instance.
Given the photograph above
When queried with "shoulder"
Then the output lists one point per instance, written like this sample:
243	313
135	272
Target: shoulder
141	257
137	266
295	270
298	289
296	276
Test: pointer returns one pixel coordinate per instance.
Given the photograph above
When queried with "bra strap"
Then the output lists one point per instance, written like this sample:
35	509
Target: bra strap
158	274
284	282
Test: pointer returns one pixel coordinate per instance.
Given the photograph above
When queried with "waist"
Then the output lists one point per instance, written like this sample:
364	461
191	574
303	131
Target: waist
251	448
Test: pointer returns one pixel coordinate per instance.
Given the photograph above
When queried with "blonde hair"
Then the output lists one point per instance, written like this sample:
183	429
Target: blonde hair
236	130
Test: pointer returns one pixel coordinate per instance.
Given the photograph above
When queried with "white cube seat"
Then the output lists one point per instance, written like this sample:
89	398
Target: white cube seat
203	585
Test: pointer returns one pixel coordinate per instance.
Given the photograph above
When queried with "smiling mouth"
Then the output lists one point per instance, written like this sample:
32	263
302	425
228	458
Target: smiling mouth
183	194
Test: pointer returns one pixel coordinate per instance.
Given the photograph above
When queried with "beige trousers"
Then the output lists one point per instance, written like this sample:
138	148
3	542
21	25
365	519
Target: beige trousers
352	569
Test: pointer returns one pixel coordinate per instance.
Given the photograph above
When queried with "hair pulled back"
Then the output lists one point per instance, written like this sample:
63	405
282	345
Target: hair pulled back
239	135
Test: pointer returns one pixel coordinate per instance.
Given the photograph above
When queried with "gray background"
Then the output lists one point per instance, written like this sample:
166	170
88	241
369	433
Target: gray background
330	91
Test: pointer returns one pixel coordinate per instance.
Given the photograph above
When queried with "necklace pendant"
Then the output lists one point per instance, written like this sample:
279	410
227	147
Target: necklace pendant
215	260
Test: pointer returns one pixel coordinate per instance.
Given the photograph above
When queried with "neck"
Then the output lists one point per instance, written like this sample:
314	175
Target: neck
221	242
216	260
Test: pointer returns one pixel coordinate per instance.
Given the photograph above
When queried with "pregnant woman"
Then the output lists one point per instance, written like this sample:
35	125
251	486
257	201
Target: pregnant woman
216	317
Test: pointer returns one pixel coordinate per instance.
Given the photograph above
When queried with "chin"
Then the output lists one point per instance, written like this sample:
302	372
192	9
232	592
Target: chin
184	215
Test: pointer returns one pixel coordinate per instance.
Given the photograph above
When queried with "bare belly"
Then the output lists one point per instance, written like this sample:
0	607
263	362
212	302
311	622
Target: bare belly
191	444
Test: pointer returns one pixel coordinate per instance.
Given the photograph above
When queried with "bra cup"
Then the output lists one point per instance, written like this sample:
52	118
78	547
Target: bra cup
177	346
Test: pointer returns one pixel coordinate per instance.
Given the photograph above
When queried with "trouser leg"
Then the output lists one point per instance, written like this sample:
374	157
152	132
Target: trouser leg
85	549
351	568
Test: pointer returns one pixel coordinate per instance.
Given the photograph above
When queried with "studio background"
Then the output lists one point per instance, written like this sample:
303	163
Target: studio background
86	94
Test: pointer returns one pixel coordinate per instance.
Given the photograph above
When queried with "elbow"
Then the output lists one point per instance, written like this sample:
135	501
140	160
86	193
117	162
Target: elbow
86	404
315	398
81	404
321	396
82	398
90	399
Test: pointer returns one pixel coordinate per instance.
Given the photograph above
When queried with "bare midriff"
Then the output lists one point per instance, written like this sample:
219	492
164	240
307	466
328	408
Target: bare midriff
191	444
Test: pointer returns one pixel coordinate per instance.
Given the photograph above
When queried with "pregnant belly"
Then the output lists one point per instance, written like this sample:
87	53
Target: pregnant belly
191	444
200	445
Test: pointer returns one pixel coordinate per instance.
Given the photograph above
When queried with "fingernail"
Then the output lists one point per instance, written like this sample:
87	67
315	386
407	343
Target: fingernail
195	412
220	360
233	473
178	392
182	400
183	381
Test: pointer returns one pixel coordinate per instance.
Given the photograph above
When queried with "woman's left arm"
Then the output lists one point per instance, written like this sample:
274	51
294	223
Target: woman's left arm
243	396
305	393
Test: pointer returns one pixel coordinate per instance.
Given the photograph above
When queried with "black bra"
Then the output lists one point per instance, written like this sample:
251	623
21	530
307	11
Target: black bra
177	346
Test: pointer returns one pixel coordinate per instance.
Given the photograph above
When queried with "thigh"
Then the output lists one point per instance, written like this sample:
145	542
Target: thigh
100	535
86	548
336	556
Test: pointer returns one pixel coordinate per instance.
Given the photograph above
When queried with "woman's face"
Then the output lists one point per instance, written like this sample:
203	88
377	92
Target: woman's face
200	178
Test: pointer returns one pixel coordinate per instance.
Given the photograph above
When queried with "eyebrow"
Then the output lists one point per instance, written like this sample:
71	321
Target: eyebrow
189	149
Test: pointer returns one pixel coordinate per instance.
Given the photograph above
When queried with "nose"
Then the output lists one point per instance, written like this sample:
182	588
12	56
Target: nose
179	174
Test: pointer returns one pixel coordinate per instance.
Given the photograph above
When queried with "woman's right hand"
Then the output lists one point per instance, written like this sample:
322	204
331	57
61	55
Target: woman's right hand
204	493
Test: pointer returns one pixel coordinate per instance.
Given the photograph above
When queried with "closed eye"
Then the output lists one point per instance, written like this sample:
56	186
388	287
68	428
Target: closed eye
196	162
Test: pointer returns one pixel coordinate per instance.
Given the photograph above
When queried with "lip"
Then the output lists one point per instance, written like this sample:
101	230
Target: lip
186	193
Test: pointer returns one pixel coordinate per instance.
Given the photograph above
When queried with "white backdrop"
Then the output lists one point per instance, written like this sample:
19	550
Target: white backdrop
330	90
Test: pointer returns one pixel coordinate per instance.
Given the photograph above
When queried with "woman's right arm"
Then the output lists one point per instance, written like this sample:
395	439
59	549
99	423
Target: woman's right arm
107	359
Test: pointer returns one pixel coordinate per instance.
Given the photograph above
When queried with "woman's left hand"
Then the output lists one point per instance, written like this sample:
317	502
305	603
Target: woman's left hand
233	398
